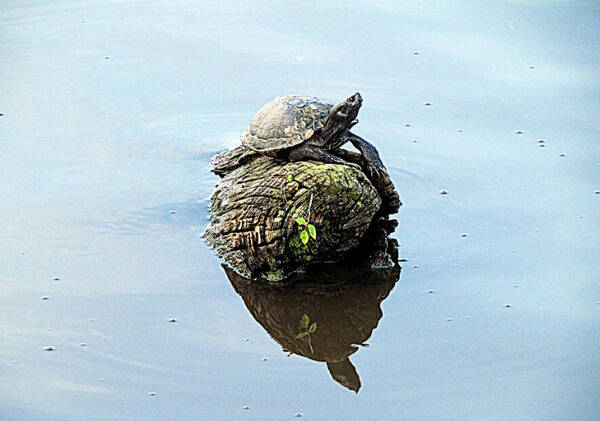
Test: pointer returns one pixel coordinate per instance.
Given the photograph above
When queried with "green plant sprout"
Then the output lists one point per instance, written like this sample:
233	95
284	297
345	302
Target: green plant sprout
306	328
307	230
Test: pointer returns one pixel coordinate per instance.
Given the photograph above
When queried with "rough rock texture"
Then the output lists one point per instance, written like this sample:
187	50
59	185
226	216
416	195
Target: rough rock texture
390	198
343	300
256	204
227	161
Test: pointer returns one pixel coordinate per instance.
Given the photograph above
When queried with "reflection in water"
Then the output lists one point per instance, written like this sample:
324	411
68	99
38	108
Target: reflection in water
324	315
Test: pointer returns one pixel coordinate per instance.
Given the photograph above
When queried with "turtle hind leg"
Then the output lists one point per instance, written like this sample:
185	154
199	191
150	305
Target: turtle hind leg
307	152
228	161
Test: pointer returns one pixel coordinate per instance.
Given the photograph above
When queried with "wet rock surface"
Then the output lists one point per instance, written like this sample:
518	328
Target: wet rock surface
270	217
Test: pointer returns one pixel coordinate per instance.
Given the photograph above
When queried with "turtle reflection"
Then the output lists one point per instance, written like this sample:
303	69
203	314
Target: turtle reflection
323	316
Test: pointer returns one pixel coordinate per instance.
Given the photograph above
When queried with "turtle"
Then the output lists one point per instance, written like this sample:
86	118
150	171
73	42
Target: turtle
302	127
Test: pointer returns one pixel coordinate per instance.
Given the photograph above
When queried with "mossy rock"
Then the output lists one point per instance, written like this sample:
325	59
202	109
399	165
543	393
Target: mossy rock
255	208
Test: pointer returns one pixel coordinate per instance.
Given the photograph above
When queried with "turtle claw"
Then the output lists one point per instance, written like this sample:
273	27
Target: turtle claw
376	172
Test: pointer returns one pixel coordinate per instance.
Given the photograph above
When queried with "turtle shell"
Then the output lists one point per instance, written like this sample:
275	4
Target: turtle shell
286	121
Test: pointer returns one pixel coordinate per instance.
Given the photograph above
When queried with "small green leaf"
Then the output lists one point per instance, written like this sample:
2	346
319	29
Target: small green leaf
301	221
304	237
312	328
312	231
301	335
304	321
289	177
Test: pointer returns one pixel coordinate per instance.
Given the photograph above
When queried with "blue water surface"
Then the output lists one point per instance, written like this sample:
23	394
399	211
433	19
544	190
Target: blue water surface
111	112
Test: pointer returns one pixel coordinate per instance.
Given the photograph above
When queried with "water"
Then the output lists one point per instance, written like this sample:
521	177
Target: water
111	113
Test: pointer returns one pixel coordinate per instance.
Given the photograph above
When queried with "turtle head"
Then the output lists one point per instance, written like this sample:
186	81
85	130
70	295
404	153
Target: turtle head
342	118
347	110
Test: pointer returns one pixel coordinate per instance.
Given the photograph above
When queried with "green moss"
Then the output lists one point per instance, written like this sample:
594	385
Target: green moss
335	176
275	276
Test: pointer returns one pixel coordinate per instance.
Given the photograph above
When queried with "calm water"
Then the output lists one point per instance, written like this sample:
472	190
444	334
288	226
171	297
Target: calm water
112	110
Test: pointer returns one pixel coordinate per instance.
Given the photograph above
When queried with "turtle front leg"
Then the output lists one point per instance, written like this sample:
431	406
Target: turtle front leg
349	156
369	152
307	152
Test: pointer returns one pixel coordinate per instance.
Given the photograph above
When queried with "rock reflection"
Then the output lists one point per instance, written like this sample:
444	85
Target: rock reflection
324	315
